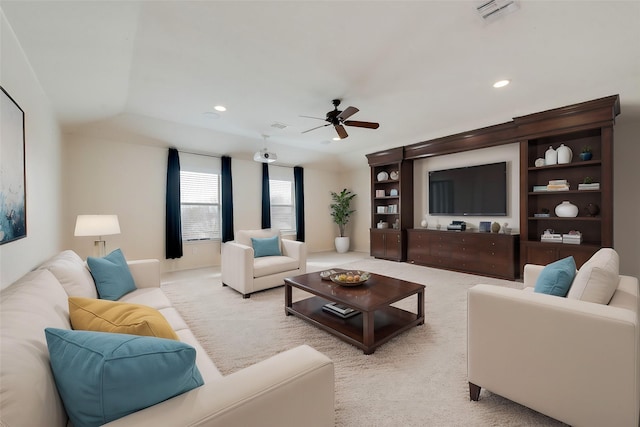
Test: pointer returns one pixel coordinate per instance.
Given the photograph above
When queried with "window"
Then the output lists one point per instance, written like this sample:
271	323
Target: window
282	205
200	205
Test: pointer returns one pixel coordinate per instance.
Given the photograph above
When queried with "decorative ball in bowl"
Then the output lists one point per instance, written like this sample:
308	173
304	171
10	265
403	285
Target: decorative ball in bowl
326	275
350	278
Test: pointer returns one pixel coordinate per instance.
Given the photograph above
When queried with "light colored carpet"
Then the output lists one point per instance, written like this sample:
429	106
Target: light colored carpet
416	379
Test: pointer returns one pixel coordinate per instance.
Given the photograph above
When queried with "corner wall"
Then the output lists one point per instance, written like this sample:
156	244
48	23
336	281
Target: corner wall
626	195
43	157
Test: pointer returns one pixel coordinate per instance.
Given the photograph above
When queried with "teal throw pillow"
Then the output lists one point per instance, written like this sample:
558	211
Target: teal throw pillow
104	376
269	246
112	275
556	278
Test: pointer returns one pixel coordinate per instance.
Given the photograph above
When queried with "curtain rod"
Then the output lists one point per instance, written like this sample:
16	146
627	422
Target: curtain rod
199	154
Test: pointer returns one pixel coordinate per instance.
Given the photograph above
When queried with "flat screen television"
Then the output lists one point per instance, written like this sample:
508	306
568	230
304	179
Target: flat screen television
473	190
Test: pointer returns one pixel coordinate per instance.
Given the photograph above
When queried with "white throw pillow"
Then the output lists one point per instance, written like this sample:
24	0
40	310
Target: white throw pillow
598	278
72	273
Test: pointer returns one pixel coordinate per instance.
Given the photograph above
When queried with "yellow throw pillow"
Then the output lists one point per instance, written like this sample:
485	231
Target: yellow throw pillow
111	316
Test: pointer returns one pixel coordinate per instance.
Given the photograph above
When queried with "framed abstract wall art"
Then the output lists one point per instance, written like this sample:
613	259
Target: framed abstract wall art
13	195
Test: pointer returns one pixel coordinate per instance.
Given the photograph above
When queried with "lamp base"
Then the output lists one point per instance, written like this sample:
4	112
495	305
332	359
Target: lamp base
100	248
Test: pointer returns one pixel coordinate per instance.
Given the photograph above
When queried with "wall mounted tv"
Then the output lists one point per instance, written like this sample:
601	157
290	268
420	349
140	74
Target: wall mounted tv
473	190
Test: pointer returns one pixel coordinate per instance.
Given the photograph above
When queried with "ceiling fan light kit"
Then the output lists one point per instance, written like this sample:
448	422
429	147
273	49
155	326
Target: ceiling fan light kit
339	118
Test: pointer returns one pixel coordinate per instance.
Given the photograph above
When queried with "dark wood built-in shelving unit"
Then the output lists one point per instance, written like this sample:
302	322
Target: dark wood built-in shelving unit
587	123
390	243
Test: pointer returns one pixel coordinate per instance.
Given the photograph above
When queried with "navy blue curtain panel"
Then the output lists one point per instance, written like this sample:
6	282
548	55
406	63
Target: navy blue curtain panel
298	183
227	200
173	222
266	197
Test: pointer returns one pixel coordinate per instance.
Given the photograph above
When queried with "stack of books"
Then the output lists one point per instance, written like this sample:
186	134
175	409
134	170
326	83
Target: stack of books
558	185
551	237
574	238
340	310
592	186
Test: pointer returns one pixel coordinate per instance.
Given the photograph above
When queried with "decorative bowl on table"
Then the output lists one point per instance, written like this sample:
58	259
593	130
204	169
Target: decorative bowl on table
350	278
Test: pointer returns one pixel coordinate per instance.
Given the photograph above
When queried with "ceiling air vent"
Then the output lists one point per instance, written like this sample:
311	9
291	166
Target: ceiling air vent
494	8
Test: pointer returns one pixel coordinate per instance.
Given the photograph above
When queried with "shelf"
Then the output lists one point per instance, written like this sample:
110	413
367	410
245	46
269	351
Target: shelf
555	193
567	165
558	218
591	245
394	197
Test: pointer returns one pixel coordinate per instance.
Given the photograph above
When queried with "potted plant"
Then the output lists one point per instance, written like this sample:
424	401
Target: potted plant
586	153
341	212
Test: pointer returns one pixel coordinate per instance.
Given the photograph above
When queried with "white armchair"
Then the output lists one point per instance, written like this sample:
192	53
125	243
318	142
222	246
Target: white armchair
573	360
247	274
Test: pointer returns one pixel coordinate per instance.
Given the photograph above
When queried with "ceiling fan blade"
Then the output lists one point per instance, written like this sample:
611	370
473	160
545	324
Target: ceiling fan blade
348	112
311	117
342	133
369	125
317	127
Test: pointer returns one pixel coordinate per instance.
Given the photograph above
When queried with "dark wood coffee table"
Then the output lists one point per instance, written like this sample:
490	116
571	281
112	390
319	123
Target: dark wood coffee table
377	322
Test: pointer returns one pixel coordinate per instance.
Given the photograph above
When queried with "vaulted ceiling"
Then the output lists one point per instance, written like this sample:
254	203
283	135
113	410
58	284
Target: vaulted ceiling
422	69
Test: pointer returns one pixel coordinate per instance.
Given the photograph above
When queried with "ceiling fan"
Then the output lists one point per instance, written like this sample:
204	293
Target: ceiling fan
339	118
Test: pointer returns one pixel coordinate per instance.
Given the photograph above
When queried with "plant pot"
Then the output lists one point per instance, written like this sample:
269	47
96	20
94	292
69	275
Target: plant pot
585	156
342	244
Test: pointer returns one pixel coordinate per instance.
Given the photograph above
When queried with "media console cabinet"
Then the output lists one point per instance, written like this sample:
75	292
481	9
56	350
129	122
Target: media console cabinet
489	254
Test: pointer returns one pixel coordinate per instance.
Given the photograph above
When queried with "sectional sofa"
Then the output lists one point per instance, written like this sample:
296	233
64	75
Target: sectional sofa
292	388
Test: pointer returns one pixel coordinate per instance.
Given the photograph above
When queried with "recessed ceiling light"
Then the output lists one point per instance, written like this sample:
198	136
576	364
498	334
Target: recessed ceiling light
501	83
220	108
336	138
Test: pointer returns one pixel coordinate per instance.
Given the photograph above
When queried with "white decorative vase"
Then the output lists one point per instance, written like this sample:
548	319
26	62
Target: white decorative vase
564	154
342	244
550	157
567	210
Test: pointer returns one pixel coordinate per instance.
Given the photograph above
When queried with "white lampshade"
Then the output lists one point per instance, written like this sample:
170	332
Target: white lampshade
97	225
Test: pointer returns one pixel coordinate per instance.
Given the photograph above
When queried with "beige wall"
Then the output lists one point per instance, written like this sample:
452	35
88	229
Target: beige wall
43	155
107	176
103	175
626	195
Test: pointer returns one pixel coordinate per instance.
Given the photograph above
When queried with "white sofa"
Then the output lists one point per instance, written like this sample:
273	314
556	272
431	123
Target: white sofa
246	274
573	360
293	388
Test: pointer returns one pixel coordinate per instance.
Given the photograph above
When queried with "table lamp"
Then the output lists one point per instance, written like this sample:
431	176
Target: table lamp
97	225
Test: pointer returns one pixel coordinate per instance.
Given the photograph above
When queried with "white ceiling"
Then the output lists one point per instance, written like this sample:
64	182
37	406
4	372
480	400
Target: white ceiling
422	69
